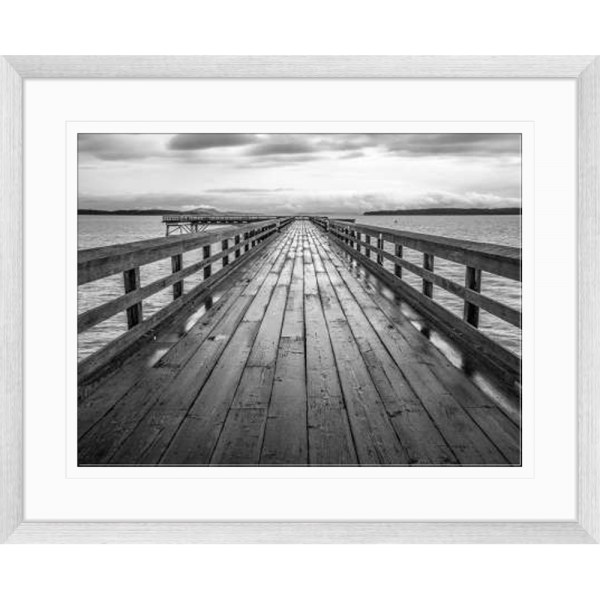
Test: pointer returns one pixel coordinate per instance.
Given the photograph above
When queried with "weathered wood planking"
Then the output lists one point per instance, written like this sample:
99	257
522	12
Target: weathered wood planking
191	365
299	363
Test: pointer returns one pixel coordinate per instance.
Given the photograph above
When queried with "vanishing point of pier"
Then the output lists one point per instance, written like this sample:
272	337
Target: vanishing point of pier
302	345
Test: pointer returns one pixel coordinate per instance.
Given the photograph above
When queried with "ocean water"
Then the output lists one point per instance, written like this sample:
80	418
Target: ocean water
94	231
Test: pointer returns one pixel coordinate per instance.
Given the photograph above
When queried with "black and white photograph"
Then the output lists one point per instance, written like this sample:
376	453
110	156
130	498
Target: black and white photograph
299	299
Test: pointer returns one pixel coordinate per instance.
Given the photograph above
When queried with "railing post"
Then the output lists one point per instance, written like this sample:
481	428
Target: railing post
246	246
131	280
368	250
397	267
224	246
252	234
176	265
428	266
472	282
357	234
236	241
380	247
351	233
205	255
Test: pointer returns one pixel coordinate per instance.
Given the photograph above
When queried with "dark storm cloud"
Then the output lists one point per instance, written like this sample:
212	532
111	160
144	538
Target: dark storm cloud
455	144
354	145
286	149
204	141
283	145
114	147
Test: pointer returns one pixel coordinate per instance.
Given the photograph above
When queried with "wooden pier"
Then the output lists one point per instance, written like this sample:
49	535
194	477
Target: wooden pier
196	223
295	350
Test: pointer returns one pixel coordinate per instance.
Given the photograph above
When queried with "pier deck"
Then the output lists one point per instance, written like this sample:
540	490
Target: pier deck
298	362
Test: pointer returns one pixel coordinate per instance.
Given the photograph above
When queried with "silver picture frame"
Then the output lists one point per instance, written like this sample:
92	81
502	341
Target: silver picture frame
15	69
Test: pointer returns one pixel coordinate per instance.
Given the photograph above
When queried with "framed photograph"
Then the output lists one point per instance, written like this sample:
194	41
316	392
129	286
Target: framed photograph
299	299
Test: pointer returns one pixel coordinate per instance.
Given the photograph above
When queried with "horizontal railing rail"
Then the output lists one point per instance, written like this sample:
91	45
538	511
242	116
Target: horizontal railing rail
236	242
373	245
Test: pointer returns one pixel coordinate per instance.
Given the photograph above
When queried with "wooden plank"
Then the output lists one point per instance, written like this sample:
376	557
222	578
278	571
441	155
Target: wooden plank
286	431
329	437
293	323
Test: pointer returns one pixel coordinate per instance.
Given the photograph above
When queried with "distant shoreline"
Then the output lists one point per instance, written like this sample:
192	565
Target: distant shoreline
133	213
445	211
152	212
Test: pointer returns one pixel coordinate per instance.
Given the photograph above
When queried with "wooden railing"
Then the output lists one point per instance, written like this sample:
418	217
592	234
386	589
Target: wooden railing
236	243
372	245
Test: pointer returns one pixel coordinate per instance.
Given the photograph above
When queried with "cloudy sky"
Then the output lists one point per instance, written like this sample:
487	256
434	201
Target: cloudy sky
298	173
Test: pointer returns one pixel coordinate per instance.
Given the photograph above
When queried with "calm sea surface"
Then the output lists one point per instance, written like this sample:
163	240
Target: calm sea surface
106	230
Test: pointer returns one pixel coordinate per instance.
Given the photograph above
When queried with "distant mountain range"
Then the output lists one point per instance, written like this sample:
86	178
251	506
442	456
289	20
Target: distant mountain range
150	212
446	211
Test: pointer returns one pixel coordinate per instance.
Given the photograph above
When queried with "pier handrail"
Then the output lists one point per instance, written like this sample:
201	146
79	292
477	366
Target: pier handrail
477	257
93	264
